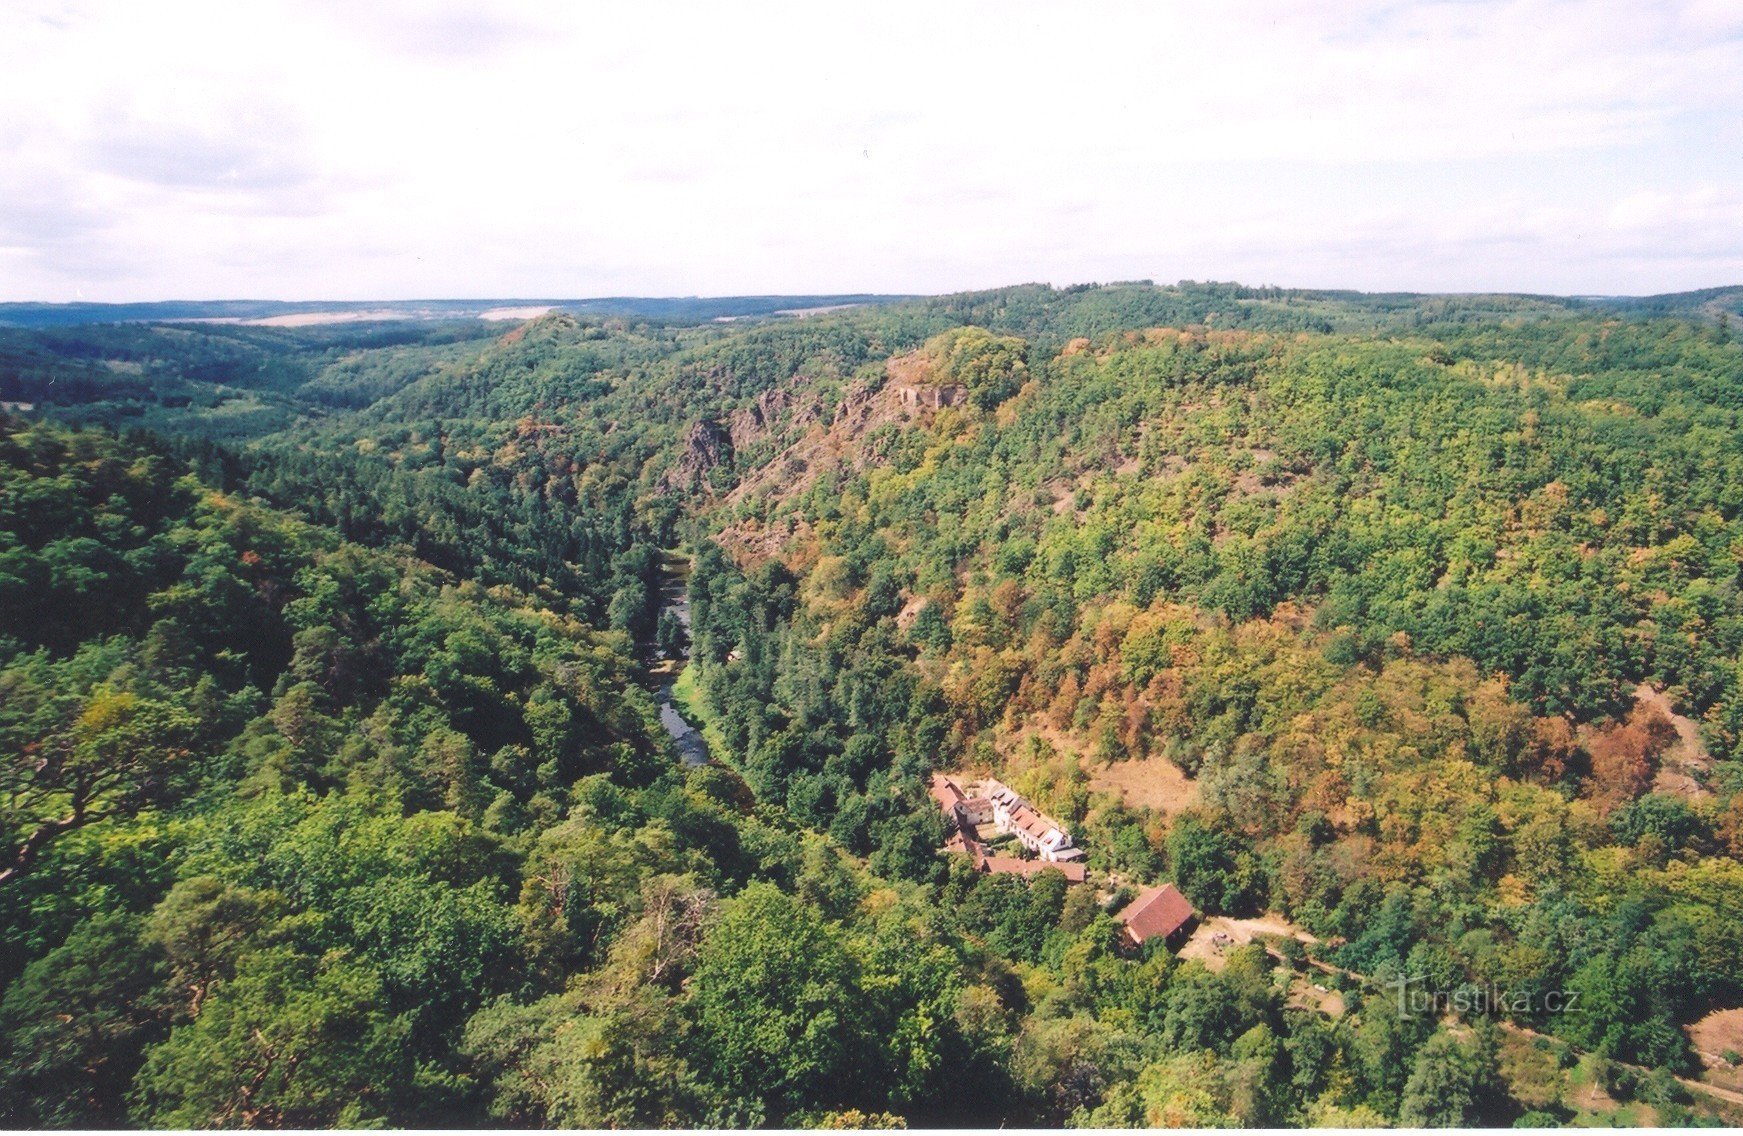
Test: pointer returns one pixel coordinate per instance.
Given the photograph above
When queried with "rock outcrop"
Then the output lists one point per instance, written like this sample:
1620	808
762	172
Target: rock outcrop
706	446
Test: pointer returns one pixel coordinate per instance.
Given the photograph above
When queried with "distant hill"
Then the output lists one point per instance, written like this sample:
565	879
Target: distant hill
1709	303
673	309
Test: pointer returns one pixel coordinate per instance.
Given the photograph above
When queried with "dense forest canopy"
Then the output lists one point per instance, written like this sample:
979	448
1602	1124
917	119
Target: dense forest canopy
1401	634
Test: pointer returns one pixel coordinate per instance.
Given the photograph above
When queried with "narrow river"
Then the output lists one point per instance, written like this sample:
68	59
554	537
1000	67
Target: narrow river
675	598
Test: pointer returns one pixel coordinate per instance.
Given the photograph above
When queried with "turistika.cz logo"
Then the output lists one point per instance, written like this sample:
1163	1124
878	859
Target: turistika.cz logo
1416	996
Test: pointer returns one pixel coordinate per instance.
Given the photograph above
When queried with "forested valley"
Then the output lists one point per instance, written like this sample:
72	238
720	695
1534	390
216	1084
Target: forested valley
1400	634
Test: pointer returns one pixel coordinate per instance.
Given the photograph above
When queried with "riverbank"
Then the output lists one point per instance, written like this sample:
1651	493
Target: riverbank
671	678
687	697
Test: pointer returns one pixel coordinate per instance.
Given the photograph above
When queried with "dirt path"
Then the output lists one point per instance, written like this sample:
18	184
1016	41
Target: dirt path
1689	1083
1694	1085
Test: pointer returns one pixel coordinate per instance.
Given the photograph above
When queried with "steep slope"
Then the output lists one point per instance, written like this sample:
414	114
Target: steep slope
1408	624
1387	599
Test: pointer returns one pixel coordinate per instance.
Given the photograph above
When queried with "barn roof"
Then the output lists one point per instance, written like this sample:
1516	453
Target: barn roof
1157	913
997	865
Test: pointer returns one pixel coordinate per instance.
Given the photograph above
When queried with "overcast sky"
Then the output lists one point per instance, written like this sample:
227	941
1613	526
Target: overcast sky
392	150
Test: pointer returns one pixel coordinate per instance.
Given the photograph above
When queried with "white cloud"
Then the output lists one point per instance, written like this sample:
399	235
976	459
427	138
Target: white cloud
343	150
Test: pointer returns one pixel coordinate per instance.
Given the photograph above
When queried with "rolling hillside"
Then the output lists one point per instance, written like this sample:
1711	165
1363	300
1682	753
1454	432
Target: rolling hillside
1407	624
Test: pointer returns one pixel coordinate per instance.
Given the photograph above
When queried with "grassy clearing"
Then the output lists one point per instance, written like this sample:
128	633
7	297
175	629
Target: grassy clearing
694	707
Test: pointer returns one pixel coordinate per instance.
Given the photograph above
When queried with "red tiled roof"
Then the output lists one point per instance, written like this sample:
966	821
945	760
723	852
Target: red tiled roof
1157	913
945	792
965	842
995	865
1031	822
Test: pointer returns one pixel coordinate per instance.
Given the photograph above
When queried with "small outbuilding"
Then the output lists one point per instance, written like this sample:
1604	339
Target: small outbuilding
1158	913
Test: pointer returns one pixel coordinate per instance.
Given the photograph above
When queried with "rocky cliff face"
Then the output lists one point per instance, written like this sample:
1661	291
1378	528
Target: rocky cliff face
706	445
711	443
749	425
780	441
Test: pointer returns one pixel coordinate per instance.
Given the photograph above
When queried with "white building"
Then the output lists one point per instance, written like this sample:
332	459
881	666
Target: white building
1037	831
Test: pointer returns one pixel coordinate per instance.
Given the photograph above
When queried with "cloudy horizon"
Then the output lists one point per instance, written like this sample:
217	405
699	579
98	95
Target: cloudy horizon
315	151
